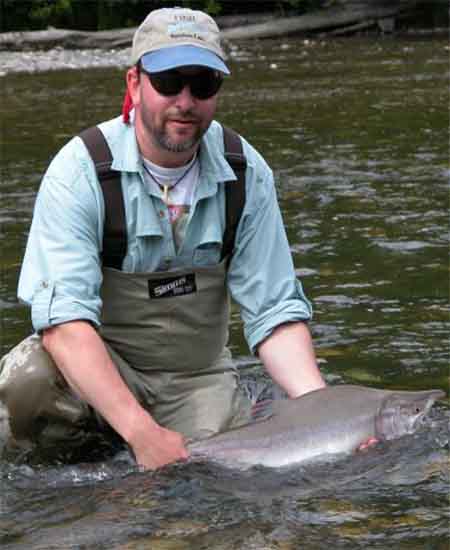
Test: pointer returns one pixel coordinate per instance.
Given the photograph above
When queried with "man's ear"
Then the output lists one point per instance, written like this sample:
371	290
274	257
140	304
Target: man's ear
133	84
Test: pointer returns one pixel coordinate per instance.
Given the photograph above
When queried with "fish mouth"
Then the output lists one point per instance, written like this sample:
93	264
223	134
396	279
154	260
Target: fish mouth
423	417
420	421
433	396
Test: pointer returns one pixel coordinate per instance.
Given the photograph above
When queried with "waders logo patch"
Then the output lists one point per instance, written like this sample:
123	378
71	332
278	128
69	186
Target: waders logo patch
170	287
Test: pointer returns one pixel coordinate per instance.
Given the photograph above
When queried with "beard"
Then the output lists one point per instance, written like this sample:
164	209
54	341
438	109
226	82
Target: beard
163	139
161	136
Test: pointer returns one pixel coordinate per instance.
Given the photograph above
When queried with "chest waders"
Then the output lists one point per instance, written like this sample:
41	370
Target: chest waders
165	331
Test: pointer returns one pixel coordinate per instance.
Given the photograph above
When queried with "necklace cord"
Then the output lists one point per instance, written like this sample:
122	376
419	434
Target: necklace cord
165	188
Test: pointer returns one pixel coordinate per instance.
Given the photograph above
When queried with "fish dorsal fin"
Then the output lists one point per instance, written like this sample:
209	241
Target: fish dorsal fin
268	408
263	410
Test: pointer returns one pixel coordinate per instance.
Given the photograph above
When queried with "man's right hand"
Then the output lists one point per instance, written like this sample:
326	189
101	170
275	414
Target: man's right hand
158	446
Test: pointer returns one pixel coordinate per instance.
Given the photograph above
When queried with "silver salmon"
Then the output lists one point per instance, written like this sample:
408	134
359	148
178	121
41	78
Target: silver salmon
329	421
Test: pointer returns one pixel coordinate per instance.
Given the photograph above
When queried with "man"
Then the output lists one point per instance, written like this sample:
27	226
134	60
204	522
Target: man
141	343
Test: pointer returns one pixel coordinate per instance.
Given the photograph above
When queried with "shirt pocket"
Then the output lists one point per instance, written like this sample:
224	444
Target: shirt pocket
207	254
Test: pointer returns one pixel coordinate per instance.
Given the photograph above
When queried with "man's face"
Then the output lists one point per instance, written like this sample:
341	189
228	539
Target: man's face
171	123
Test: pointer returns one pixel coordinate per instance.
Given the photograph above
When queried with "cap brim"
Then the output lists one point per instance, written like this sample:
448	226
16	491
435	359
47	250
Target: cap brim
181	56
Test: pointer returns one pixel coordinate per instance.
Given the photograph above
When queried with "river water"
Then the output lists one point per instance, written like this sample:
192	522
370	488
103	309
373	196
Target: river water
356	131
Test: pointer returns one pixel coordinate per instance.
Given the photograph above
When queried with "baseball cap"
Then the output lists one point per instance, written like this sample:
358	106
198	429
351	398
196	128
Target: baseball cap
176	37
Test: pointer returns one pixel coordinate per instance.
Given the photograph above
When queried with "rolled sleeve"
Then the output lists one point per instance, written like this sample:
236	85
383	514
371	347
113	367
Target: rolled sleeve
49	309
261	277
61	272
296	308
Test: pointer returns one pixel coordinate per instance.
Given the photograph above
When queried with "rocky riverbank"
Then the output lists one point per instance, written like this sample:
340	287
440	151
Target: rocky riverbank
59	58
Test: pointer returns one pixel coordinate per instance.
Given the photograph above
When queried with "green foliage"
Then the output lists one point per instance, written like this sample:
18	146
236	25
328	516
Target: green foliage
50	12
293	4
213	7
300	6
107	14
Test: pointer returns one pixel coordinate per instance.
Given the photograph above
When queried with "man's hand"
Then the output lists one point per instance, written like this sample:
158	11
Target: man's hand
159	447
367	444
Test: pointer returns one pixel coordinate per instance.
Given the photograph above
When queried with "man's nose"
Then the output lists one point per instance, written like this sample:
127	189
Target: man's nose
185	98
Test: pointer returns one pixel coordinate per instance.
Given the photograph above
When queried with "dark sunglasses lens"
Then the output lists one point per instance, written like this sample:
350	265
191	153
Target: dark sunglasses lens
167	82
203	85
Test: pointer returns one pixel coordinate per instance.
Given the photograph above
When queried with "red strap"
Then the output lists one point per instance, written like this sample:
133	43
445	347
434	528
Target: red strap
126	107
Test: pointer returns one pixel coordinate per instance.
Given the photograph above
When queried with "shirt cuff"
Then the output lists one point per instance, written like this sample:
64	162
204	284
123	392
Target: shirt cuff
290	312
48	311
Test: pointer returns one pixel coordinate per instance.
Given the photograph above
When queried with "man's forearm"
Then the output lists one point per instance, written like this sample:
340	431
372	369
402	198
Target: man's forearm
83	360
288	356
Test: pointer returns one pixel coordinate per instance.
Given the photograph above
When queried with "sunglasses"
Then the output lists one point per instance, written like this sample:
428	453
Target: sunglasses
203	84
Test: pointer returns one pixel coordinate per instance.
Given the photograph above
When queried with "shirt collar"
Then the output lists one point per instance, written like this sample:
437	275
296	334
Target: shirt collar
125	150
214	167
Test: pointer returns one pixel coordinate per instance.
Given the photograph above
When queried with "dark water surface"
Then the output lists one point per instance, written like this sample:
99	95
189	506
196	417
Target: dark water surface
357	134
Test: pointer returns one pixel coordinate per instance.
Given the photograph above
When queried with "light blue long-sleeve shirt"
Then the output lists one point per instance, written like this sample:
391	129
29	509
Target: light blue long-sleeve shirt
61	273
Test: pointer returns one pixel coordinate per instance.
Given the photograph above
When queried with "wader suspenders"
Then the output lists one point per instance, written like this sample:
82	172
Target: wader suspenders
114	230
234	190
115	233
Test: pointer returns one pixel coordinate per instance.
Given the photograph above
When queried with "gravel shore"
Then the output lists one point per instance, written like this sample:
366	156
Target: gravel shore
60	58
